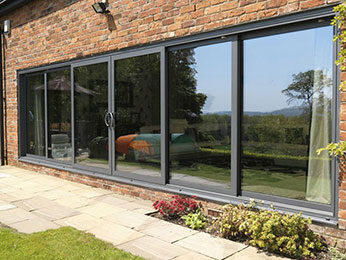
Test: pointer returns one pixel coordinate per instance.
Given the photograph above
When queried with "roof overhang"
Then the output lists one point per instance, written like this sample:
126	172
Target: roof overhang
7	6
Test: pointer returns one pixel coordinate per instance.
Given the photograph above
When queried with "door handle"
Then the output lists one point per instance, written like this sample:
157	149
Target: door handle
108	117
112	123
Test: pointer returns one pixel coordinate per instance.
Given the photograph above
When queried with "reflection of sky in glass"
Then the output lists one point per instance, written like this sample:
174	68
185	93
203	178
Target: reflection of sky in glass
213	66
270	62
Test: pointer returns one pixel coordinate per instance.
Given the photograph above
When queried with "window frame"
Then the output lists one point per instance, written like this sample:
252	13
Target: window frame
297	21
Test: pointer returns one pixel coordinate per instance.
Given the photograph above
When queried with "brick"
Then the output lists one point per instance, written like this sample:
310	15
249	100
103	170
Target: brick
267	13
342	214
187	9
254	7
310	4
276	3
229	6
247	17
342	194
212	9
203	4
246	2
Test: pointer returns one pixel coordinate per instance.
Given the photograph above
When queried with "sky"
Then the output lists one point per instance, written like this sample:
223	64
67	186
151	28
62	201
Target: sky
269	63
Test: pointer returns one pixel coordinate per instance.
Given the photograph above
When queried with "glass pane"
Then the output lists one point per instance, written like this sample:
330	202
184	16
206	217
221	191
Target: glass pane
59	115
287	114
200	115
137	107
91	105
35	115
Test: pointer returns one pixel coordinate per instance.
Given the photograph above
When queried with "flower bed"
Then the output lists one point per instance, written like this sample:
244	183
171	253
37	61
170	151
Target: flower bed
284	234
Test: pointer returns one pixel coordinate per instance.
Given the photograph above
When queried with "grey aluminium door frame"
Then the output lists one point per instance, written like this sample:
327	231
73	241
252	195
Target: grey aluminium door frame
132	176
79	166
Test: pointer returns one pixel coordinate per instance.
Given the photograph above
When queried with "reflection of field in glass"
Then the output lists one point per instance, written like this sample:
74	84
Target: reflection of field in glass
275	182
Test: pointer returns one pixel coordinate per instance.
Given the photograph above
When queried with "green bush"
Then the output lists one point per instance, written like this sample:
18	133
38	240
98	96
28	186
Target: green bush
195	220
286	234
336	254
232	223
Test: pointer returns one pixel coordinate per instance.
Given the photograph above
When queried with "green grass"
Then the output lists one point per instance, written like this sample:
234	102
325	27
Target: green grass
59	244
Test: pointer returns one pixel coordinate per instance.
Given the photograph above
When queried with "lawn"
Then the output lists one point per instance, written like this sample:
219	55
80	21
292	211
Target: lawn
63	243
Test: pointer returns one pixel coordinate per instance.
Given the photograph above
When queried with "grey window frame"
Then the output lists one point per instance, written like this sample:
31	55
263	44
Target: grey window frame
318	212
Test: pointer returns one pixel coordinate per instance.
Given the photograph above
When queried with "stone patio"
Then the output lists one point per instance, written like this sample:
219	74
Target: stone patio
32	202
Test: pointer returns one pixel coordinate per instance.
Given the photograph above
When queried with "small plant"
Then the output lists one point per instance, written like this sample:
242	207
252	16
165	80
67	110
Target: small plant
339	22
336	254
195	220
287	234
232	223
179	206
335	149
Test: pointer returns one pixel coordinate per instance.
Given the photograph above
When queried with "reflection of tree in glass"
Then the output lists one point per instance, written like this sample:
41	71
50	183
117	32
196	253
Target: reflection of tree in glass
187	103
305	86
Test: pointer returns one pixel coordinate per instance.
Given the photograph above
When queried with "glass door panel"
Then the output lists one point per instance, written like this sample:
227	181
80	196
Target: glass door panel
90	108
59	115
287	114
35	128
137	129
200	116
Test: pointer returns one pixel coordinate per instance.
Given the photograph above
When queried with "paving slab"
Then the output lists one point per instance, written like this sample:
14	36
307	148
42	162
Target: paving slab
11	216
55	212
56	194
89	192
6	207
74	202
252	253
114	199
114	233
34	203
211	246
81	222
17	195
166	231
153	248
130	219
136	206
34	225
195	256
100	209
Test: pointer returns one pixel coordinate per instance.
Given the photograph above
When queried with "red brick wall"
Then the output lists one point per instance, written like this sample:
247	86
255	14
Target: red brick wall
45	32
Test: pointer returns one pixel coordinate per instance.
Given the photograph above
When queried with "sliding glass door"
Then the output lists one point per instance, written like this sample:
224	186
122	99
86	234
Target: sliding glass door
137	112
91	109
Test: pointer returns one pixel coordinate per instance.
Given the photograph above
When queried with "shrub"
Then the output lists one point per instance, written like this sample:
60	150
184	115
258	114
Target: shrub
179	206
232	223
287	234
195	220
336	254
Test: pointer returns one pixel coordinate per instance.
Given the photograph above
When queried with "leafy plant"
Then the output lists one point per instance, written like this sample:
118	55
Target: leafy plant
287	234
179	206
195	220
336	254
233	221
335	149
339	21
